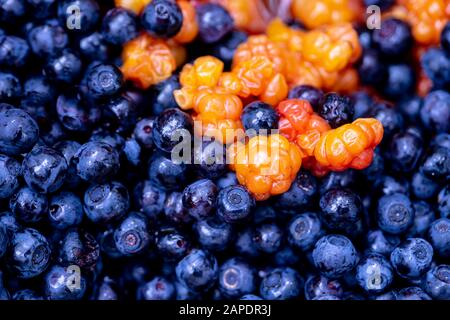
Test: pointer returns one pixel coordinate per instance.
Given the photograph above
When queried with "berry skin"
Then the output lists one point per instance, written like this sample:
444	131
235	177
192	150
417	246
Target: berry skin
436	64
103	80
161	95
56	288
304	230
334	255
105	203
96	161
437	282
94	47
410	108
169	125
174	210
10	172
197	271
281	284
374	273
268	237
209	159
79	248
119	26
89	14
371	69
39	91
309	93
199	198
44	169
405	151
30	253
337	110
439	235
226	48
75	115
157	289
214	22
47	40
143	133
424	215
393	39
150	199
27	294
12	11
65	67
445	38
4	240
236	278
162	18
412	293
395	213
422	187
14	52
435	113
172	245
213	234
10	87
259	116
121	113
28	205
65	210
341	209
412	258
317	286
234	204
132	235
391	120
166	174
400	81
436	165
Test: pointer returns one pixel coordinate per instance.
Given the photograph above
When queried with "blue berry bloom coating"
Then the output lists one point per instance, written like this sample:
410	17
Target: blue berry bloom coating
337	110
143	132
103	80
167	174
371	68
79	248
199	198
161	95
105	203
309	93
214	22
170	127
94	47
29	253
391	120
213	234
424	215
258	116
412	293
158	288
59	284
436	165
132	236
436	65
334	255
435	113
437	282
422	187
395	213
281	284
268	237
75	114
198	271
10	172
18	131
150	198
47	40
439	235
317	285
65	67
38	90
394	38
119	26
412	258
400	81
374	273
65	210
405	150
89	11
234	204
28	206
236	278
96	162
304	230
44	169
443	201
209	159
14	52
162	18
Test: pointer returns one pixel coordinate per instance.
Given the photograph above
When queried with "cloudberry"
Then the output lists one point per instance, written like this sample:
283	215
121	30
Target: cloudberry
189	29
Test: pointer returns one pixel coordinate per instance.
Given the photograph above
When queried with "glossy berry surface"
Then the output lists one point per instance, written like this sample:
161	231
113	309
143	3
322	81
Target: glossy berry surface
259	116
214	22
412	258
336	110
281	284
162	18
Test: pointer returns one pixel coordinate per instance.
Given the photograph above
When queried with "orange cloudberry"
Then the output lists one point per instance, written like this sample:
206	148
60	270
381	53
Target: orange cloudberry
189	29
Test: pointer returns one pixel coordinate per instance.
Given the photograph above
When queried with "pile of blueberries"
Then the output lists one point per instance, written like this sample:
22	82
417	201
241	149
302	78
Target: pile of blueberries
93	207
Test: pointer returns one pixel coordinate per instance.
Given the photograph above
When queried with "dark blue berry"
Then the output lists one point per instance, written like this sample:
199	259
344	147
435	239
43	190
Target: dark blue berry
304	230
391	120
39	91
132	236
199	198
14	52
28	205
234	204
162	18
121	113
65	210
400	81
47	40
439	235
236	278
65	67
245	245
371	69
42	8
174	210
68	149
412	293
75	114
229	179
436	65
422	187
383	4
209	159
143	133
150	199
173	245
103	80
445	38
86	11
437	282
119	26
268	237
317	285
412	258
405	150
79	248
424	215
4	239
443	202
158	288
395	213
94	47
226	47
171	127
258	116
12	11
10	87
394	38
309	93
435	113
281	284
107	290
10	172
410	108
436	165
337	110
214	22
27	294
61	283
161	95
374	273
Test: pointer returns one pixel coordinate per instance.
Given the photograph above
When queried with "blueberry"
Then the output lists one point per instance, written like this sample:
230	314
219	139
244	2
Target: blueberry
158	288
88	14
42	8
412	258
435	113
341	209
234	204
412	293
161	95
76	114
105	203
143	133
119	26
338	180
14	52
400	81
250	297
436	165
334	255
309	93
236	278
391	120
150	199
199	198
132	151
79	248
171	126
374	273
209	159
44	169
445	38
226	47
437	282
317	285
18	132
443	202
13	10
436	65
423	217
27	294
337	110
383	4
94	47
132	236
10	87
28	205
326	297
113	139
173	245
214	22
29	253
259	116
96	162
106	290
103	80
9	221
174	210
65	67
304	230
405	150
286	257
394	38
267	237
213	234
10	173
162	18
39	91
167	174
121	113
68	149
422	187
227	180
439	235
395	213
59	283
47	40
65	210
371	69
197	271
281	284
244	244
387	185
4	239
